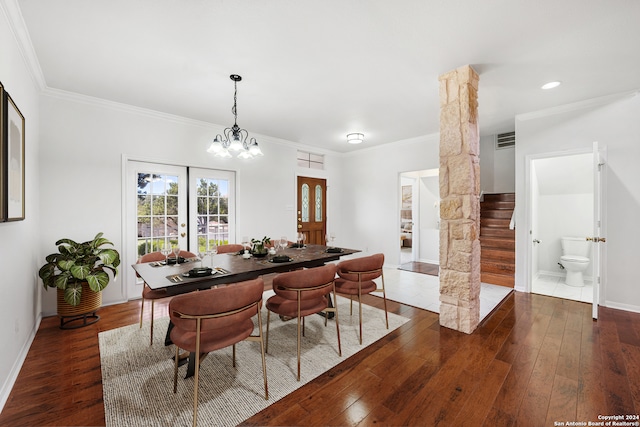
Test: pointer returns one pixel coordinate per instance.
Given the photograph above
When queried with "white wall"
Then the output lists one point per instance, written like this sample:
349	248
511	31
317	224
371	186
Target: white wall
613	121
430	219
497	167
84	142
19	241
370	203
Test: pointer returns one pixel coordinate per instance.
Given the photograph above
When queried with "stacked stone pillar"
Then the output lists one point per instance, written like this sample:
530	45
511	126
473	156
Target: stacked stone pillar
460	201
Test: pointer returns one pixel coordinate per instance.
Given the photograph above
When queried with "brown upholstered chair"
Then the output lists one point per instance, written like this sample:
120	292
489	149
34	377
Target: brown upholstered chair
301	293
205	321
231	247
154	294
355	278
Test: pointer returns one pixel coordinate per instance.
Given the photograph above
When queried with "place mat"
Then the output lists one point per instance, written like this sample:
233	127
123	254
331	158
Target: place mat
138	379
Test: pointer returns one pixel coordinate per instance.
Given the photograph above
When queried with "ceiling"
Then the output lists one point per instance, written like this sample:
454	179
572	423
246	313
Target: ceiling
316	70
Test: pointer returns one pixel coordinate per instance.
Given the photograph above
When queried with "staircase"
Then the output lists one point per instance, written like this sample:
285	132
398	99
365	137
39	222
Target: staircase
497	241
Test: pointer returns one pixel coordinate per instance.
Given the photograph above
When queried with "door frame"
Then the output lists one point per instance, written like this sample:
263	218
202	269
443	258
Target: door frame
529	249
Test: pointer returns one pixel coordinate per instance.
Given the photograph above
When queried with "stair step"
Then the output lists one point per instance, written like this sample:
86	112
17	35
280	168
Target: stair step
494	222
505	197
497	232
496	213
497	268
498	205
497	279
491	242
497	255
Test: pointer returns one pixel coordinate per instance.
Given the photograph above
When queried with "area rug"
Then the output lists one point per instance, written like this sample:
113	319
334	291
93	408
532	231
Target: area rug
137	379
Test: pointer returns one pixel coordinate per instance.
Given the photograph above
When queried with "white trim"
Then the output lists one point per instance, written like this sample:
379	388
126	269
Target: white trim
18	27
620	306
10	381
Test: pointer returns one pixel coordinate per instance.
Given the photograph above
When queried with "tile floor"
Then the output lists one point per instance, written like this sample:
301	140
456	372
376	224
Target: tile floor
423	291
554	286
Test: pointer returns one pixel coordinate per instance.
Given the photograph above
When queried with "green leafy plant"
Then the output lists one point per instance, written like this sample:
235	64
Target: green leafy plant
79	262
259	246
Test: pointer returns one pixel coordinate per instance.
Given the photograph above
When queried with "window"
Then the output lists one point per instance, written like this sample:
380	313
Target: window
310	160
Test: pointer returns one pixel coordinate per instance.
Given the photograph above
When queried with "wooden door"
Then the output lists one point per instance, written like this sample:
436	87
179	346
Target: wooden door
312	209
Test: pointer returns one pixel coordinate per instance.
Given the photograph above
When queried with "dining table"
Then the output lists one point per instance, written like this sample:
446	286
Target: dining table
224	269
233	267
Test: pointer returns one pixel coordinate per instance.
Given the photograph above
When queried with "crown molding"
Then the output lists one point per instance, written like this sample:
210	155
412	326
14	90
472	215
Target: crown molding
12	11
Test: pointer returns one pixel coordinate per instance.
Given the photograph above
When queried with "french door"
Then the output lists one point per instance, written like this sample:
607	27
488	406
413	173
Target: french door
168	205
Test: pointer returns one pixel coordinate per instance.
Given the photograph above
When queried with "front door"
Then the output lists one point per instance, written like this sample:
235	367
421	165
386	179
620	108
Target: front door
312	209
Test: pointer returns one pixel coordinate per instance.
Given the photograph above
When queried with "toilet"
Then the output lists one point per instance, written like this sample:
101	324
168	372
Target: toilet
575	259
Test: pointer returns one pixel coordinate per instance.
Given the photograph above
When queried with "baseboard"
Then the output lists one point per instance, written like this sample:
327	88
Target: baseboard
430	261
619	306
15	369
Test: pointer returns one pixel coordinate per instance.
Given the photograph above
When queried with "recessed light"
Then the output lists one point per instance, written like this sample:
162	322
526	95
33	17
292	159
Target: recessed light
550	85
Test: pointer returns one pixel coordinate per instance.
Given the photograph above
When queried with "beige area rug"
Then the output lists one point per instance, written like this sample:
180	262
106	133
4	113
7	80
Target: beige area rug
137	379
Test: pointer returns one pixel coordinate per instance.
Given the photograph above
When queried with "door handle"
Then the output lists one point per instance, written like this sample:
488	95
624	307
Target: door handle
299	225
536	241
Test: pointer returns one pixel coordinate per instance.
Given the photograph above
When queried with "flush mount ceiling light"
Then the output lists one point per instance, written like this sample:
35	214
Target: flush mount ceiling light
235	139
550	85
355	138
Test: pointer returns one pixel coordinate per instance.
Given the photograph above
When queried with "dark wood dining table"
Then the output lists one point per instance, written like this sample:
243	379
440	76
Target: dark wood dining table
231	268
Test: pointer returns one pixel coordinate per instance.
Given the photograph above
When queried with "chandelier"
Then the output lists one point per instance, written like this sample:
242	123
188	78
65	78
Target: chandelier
235	140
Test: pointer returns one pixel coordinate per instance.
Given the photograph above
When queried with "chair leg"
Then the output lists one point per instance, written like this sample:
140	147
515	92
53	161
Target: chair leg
360	311
384	298
262	351
175	370
266	346
196	374
151	334
335	310
299	338
141	311
234	355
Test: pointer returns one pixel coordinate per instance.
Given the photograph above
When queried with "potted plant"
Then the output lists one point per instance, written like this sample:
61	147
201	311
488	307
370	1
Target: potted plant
259	248
76	269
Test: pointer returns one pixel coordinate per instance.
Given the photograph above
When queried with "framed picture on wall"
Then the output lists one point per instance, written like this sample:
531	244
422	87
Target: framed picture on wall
2	153
14	149
407	196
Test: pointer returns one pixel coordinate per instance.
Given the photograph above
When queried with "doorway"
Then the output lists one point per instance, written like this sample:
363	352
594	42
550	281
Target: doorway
565	205
419	218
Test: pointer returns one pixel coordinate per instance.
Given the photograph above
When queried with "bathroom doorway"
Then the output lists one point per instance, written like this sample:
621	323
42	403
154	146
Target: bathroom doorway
565	201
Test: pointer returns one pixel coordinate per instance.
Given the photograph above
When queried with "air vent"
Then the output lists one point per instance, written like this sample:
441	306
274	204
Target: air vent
505	140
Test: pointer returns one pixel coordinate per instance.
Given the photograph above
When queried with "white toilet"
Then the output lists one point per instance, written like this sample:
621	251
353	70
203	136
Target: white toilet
575	259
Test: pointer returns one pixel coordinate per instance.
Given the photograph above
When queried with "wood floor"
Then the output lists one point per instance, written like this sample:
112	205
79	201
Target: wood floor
535	361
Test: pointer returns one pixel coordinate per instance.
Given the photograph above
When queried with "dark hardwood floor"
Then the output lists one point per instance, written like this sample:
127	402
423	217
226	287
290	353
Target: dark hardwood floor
534	361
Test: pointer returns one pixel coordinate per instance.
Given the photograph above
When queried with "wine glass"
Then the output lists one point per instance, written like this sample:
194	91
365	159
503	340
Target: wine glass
301	238
331	236
165	251
246	243
176	251
202	253
213	250
283	242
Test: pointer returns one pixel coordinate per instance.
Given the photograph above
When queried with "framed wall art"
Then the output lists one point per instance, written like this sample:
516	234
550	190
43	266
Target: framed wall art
14	149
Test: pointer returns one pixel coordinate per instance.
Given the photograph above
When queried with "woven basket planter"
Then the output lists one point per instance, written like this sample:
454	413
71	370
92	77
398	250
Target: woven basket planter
83	314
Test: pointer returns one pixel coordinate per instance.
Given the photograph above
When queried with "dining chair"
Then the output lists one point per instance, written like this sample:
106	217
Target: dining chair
229	248
209	320
356	277
154	294
301	293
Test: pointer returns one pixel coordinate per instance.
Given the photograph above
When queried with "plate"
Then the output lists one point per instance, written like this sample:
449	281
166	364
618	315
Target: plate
181	260
199	272
335	250
281	258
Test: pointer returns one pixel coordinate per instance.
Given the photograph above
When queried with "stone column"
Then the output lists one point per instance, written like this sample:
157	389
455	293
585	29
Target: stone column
460	201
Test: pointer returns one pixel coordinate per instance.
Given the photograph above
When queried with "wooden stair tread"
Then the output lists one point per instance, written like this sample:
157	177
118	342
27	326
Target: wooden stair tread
497	241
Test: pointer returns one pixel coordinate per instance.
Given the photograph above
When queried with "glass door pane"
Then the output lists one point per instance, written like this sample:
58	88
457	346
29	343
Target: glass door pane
156	214
211	207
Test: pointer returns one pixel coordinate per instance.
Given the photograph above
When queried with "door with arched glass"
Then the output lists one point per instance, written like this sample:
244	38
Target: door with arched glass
312	209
